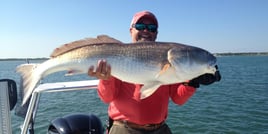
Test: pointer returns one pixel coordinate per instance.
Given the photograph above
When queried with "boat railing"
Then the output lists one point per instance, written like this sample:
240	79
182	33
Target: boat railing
52	87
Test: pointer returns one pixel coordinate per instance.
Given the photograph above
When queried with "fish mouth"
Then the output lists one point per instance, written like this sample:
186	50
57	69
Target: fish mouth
212	66
212	62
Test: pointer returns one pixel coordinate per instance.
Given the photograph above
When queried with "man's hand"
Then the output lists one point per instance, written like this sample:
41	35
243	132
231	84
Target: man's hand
103	70
205	79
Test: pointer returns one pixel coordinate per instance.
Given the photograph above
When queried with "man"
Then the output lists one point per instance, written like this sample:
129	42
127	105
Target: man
127	112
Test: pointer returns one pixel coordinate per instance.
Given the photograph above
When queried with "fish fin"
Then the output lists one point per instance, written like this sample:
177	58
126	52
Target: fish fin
101	39
73	72
148	89
29	79
163	70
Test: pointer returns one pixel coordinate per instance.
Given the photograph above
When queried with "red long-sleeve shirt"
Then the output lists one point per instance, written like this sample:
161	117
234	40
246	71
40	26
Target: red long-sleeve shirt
125	102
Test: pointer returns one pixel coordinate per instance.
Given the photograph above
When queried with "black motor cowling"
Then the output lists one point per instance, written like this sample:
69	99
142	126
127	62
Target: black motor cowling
76	124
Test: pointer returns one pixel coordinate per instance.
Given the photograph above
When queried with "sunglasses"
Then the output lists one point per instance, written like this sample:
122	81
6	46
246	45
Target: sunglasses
150	27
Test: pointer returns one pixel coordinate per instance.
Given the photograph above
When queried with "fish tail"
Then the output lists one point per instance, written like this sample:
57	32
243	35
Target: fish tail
29	79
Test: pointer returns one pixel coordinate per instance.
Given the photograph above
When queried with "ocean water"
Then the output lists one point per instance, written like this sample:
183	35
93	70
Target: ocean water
237	104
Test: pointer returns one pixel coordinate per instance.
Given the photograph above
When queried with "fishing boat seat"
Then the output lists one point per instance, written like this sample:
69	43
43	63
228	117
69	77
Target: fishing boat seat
76	124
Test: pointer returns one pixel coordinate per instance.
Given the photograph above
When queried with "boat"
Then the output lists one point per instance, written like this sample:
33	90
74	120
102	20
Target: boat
72	123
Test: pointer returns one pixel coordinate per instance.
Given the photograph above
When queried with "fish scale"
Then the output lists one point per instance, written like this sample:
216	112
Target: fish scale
149	63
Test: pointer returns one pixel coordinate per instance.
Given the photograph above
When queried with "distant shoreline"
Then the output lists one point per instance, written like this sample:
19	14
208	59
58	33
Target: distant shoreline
216	54
16	59
242	54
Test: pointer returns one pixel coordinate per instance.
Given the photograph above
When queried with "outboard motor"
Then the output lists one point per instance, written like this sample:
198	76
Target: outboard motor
76	124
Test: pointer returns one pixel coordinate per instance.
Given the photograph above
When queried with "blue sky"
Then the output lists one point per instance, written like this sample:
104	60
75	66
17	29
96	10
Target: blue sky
31	28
